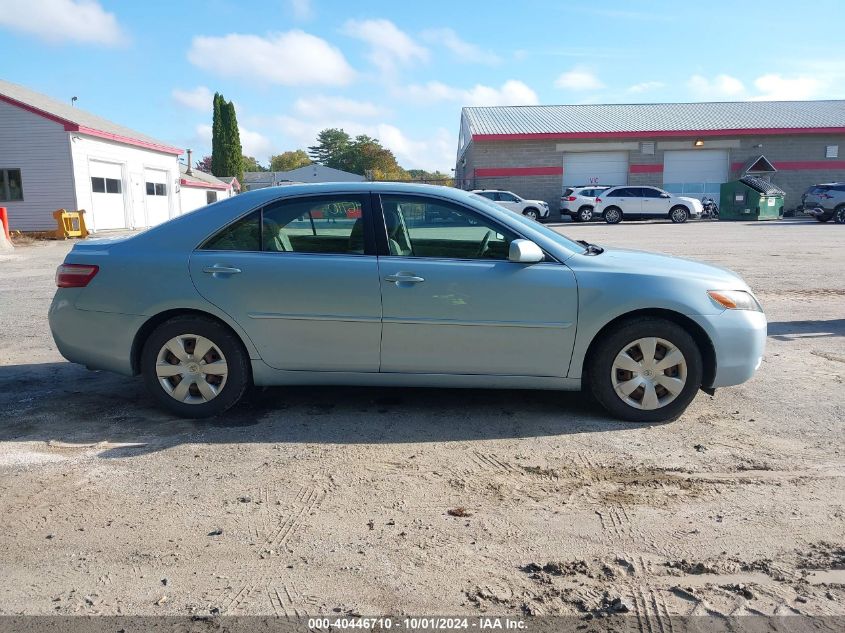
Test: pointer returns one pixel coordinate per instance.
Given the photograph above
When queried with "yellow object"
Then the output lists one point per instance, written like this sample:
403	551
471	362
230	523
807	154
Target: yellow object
71	224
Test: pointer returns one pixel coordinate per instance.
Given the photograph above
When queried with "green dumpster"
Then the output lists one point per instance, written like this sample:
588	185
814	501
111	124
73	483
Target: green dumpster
750	198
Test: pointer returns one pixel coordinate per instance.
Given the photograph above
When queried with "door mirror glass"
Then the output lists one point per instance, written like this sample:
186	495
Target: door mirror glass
525	252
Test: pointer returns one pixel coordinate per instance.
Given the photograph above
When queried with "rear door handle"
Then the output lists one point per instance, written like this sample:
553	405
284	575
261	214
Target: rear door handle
217	269
400	278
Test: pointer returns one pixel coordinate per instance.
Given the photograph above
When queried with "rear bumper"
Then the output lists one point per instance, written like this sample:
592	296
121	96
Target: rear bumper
98	340
739	340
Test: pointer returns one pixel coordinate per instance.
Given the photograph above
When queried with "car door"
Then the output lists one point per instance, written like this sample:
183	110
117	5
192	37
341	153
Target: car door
301	277
653	203
509	201
454	304
626	198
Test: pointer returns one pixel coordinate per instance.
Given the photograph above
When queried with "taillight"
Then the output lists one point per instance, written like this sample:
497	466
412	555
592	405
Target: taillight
75	275
571	198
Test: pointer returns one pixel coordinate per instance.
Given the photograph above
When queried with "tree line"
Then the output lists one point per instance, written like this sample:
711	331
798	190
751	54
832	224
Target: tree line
363	155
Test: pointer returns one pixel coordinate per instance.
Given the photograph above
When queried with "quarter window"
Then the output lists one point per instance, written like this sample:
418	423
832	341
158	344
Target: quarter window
243	235
426	227
11	187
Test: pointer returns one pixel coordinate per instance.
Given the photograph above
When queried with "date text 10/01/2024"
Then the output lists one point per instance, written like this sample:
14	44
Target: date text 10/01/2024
418	623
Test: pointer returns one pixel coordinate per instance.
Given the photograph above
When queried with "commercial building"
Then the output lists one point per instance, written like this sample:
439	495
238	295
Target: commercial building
686	148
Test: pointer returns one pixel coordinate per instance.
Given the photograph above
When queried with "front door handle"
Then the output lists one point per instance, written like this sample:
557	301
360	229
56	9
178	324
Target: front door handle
401	278
217	269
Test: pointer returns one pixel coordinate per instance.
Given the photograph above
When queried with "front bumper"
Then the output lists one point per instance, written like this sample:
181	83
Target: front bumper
739	340
98	340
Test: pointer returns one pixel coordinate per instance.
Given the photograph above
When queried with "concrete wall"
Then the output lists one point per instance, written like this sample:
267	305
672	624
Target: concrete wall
41	150
793	179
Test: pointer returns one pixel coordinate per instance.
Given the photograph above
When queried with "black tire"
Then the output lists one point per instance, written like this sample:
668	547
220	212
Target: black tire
574	217
585	213
613	215
679	214
531	213
600	364
238	377
839	215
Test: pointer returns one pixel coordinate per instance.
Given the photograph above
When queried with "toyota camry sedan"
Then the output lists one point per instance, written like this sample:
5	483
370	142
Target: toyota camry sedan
388	284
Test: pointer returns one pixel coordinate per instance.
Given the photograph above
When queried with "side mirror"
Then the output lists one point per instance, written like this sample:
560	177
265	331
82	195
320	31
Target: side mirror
525	252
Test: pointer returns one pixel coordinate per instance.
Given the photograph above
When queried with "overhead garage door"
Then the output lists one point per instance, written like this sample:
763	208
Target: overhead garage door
595	168
107	199
695	173
157	199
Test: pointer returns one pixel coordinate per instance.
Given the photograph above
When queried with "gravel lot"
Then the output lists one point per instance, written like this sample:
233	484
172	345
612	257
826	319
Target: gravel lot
337	500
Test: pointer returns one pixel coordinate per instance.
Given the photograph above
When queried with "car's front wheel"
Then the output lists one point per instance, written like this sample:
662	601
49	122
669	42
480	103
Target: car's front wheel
679	214
646	370
195	366
613	215
531	214
839	215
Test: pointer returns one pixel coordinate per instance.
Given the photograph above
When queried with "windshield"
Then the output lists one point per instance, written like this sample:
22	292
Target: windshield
532	224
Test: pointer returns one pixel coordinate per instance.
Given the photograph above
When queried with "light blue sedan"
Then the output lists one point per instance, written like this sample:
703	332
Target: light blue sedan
398	285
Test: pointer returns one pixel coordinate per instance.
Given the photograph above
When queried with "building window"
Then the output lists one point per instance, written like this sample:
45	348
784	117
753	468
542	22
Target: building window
210	196
105	185
831	151
11	187
156	189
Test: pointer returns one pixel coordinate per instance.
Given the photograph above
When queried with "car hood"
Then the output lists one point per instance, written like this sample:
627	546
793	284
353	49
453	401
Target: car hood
542	202
693	201
676	267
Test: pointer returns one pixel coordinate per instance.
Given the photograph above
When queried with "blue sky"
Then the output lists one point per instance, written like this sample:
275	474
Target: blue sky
400	71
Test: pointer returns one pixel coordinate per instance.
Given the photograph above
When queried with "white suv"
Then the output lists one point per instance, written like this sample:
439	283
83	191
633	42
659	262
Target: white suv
645	202
534	209
578	202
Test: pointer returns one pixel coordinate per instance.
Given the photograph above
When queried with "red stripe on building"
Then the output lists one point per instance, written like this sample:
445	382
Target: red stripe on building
482	172
646	169
658	133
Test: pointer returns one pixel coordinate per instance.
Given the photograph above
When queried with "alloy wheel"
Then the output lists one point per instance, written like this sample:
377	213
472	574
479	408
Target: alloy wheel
649	373
531	214
191	369
586	215
839	216
679	215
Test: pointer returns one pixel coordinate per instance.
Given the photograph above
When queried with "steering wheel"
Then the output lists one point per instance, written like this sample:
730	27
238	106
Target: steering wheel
484	244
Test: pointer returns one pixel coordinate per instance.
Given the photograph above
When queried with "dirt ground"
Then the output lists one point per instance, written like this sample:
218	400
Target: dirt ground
412	501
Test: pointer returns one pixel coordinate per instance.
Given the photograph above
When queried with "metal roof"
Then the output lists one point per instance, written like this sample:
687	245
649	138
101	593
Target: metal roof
617	119
197	177
77	120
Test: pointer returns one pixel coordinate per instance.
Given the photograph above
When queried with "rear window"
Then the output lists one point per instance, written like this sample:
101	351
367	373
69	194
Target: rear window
568	191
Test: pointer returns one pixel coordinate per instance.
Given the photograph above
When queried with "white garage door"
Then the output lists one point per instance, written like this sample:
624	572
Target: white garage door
107	200
695	173
595	168
157	199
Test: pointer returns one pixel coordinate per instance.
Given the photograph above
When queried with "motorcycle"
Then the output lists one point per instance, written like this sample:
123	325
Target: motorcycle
710	209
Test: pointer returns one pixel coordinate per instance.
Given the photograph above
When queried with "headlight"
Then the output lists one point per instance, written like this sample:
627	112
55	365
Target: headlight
735	300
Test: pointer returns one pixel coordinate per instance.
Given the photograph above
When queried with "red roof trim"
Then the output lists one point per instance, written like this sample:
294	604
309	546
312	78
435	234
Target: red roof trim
645	169
658	133
204	185
482	172
70	126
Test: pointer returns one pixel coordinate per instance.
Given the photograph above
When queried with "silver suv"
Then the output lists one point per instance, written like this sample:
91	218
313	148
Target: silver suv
825	201
578	202
532	209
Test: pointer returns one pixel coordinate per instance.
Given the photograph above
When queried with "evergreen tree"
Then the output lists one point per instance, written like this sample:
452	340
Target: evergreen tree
217	136
331	147
226	151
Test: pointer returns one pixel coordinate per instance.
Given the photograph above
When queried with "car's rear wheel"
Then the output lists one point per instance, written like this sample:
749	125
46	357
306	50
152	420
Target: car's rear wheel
195	366
531	214
585	214
679	214
613	215
646	370
839	215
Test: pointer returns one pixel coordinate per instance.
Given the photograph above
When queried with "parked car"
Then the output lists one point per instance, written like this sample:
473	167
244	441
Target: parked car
631	202
533	209
825	201
263	289
578	202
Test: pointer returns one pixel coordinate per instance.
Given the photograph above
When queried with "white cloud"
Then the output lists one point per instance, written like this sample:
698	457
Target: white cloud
389	46
646	86
777	88
63	21
578	79
302	9
293	58
200	98
325	107
253	143
463	50
512	92
720	87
